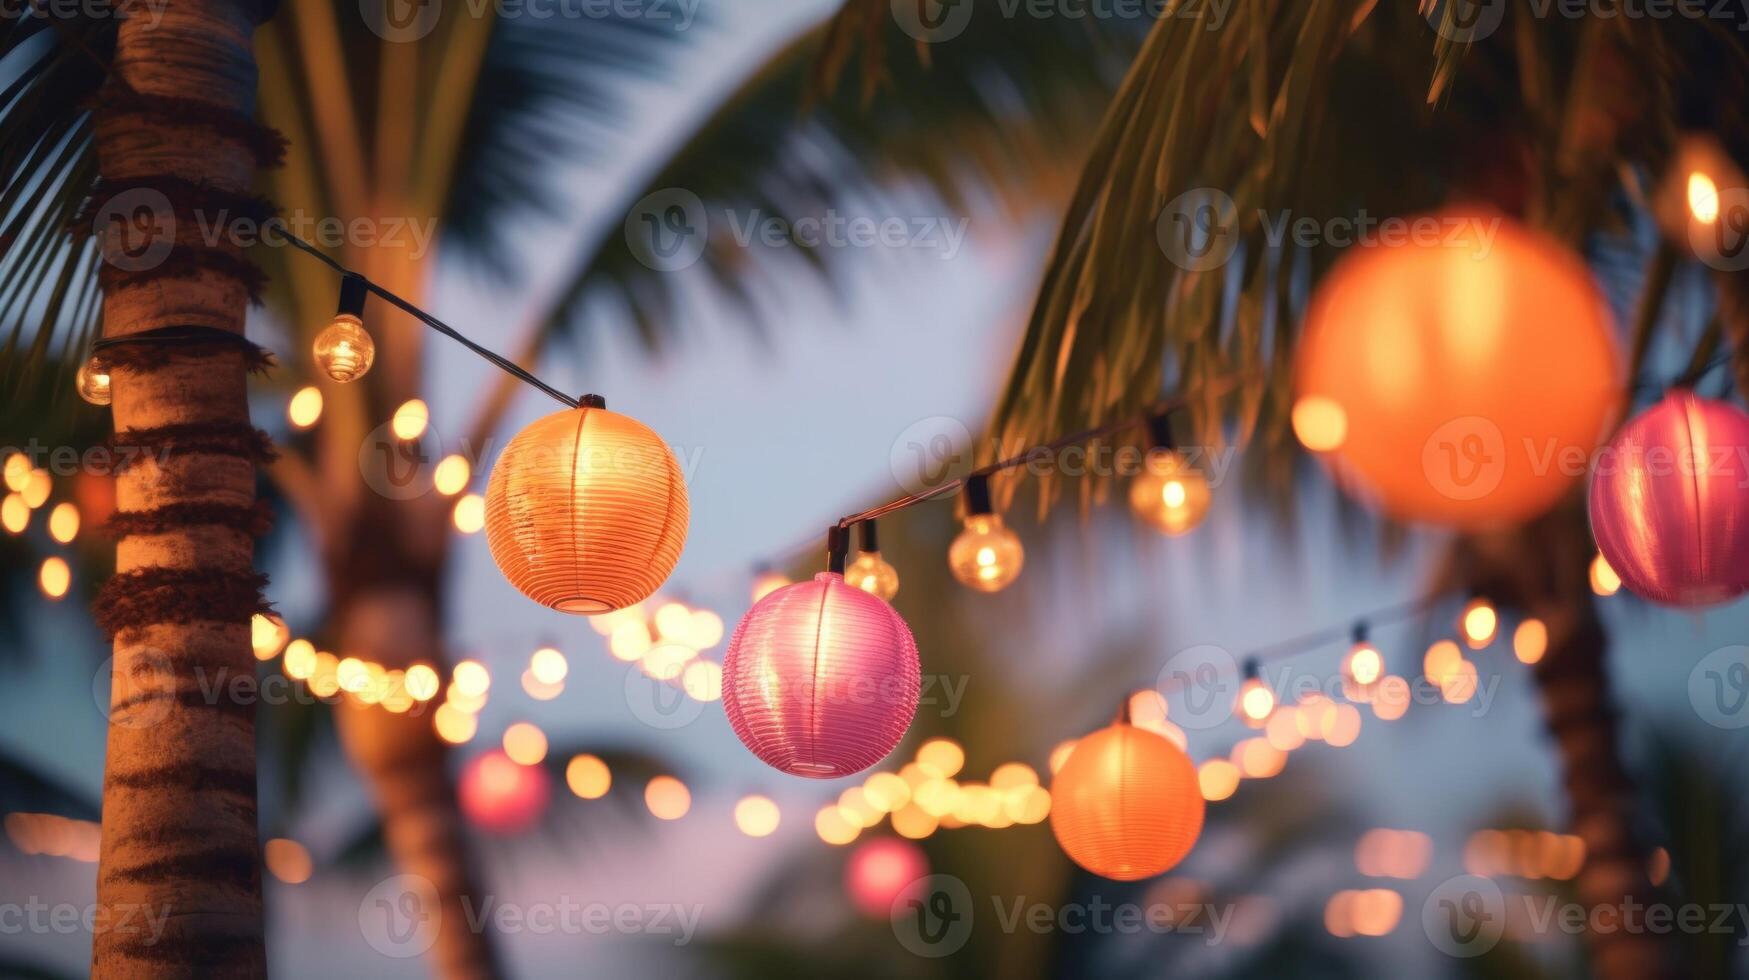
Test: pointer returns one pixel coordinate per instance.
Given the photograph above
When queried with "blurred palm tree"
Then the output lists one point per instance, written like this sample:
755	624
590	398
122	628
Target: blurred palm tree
469	120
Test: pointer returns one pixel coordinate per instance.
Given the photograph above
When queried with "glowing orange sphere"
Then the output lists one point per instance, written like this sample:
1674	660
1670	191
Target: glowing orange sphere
882	871
502	796
1459	379
586	511
1126	804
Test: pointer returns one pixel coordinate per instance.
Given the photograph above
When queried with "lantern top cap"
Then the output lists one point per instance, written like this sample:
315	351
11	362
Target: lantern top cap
591	401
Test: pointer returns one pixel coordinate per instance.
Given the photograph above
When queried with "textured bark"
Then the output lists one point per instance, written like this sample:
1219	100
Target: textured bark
179	804
1543	569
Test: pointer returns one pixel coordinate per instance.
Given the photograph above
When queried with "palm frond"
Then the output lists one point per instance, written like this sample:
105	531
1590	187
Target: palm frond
48	283
997	114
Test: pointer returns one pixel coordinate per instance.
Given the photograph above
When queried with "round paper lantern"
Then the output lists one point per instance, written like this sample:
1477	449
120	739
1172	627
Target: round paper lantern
586	511
881	871
821	679
1669	504
502	796
1126	804
1455	377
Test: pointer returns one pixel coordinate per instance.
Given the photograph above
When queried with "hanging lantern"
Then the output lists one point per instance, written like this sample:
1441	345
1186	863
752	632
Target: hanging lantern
1668	503
986	556
821	679
93	381
870	572
1170	494
1126	804
344	350
1448	381
502	796
586	511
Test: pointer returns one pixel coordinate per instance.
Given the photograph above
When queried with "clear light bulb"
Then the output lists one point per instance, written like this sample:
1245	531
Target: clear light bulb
1256	701
1479	623
93	382
344	349
1171	494
1364	665
986	556
873	574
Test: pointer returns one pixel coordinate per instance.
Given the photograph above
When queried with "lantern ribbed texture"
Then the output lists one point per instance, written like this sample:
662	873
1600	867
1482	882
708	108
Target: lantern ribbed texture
1448	373
1670	502
1126	803
821	679
586	511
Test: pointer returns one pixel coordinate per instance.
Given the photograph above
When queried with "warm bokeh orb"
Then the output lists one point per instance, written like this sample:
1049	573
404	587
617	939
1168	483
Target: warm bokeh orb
1127	804
821	679
1455	381
501	796
586	511
986	556
1171	494
881	871
1668	505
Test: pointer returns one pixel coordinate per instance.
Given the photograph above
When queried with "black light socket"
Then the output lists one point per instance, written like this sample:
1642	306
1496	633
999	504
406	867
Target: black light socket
978	495
353	290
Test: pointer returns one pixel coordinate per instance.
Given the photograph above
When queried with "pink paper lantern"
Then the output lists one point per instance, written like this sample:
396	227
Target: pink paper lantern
1670	502
821	678
881	872
502	796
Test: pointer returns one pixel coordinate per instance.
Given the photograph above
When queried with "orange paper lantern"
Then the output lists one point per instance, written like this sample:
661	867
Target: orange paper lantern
586	511
1126	804
1461	377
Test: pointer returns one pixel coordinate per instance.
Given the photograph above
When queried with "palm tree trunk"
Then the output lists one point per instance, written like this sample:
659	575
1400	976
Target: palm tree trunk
1543	570
180	845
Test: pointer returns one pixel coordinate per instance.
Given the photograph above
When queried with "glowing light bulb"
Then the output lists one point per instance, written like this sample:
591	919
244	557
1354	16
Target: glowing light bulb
1320	423
344	349
873	574
422	682
1171	494
548	666
55	577
1479	623
452	475
1363	665
93	382
1703	198
14	513
305	407
410	420
1530	641
756	816
588	777
267	634
1256	701
764	583
1604	580
470	514
986	556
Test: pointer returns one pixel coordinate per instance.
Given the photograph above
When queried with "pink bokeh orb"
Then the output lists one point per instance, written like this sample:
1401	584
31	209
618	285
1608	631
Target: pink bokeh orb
1670	502
821	679
882	871
502	796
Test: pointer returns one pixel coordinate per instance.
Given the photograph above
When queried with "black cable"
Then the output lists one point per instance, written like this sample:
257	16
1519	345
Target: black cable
501	362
